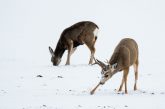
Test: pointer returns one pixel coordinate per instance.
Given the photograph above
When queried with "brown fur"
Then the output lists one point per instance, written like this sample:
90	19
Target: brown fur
73	36
124	56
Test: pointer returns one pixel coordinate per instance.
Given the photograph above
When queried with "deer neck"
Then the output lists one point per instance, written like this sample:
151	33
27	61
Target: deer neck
59	51
116	71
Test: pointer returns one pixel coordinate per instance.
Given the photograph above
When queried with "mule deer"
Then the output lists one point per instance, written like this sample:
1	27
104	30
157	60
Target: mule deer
125	55
84	32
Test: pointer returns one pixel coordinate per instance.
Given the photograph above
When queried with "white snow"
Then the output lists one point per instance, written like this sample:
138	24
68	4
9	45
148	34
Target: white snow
29	81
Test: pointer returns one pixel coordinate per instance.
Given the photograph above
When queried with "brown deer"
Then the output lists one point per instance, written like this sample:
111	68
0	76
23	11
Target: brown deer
125	55
84	32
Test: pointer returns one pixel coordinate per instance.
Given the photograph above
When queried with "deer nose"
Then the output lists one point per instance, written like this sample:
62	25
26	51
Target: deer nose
54	64
102	83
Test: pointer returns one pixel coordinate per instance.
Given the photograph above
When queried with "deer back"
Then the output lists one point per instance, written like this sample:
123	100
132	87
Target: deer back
125	54
79	32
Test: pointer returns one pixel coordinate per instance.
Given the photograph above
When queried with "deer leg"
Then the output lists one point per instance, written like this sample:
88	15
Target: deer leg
70	49
92	55
73	50
136	75
122	82
90	44
125	79
92	50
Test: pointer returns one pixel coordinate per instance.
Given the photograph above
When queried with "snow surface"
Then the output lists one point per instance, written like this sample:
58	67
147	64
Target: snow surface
29	81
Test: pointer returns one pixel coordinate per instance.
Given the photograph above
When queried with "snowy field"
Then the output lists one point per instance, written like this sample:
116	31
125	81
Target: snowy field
28	80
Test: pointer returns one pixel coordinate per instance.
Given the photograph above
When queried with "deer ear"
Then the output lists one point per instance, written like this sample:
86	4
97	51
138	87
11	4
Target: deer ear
51	51
114	66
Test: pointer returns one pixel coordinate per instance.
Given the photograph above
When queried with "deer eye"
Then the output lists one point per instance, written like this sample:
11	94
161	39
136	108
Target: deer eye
106	76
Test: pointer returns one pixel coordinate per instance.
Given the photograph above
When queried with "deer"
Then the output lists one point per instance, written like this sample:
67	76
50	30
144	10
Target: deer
124	56
84	32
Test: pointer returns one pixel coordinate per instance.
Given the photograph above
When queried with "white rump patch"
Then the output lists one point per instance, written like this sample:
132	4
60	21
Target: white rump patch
95	32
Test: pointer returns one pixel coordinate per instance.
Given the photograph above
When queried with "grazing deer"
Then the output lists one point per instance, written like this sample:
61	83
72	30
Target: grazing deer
125	55
84	32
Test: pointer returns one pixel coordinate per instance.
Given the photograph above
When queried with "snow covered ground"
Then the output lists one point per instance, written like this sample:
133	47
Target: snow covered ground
29	81
48	87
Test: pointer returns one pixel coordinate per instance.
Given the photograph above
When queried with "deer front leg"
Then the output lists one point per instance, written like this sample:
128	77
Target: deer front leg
125	79
70	50
120	89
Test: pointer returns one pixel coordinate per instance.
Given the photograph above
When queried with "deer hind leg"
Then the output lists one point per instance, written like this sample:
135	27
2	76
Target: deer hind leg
92	50
121	85
70	50
92	55
136	74
91	45
125	79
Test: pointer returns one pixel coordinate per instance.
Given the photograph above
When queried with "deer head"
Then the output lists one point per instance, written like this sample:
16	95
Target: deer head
54	59
107	70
